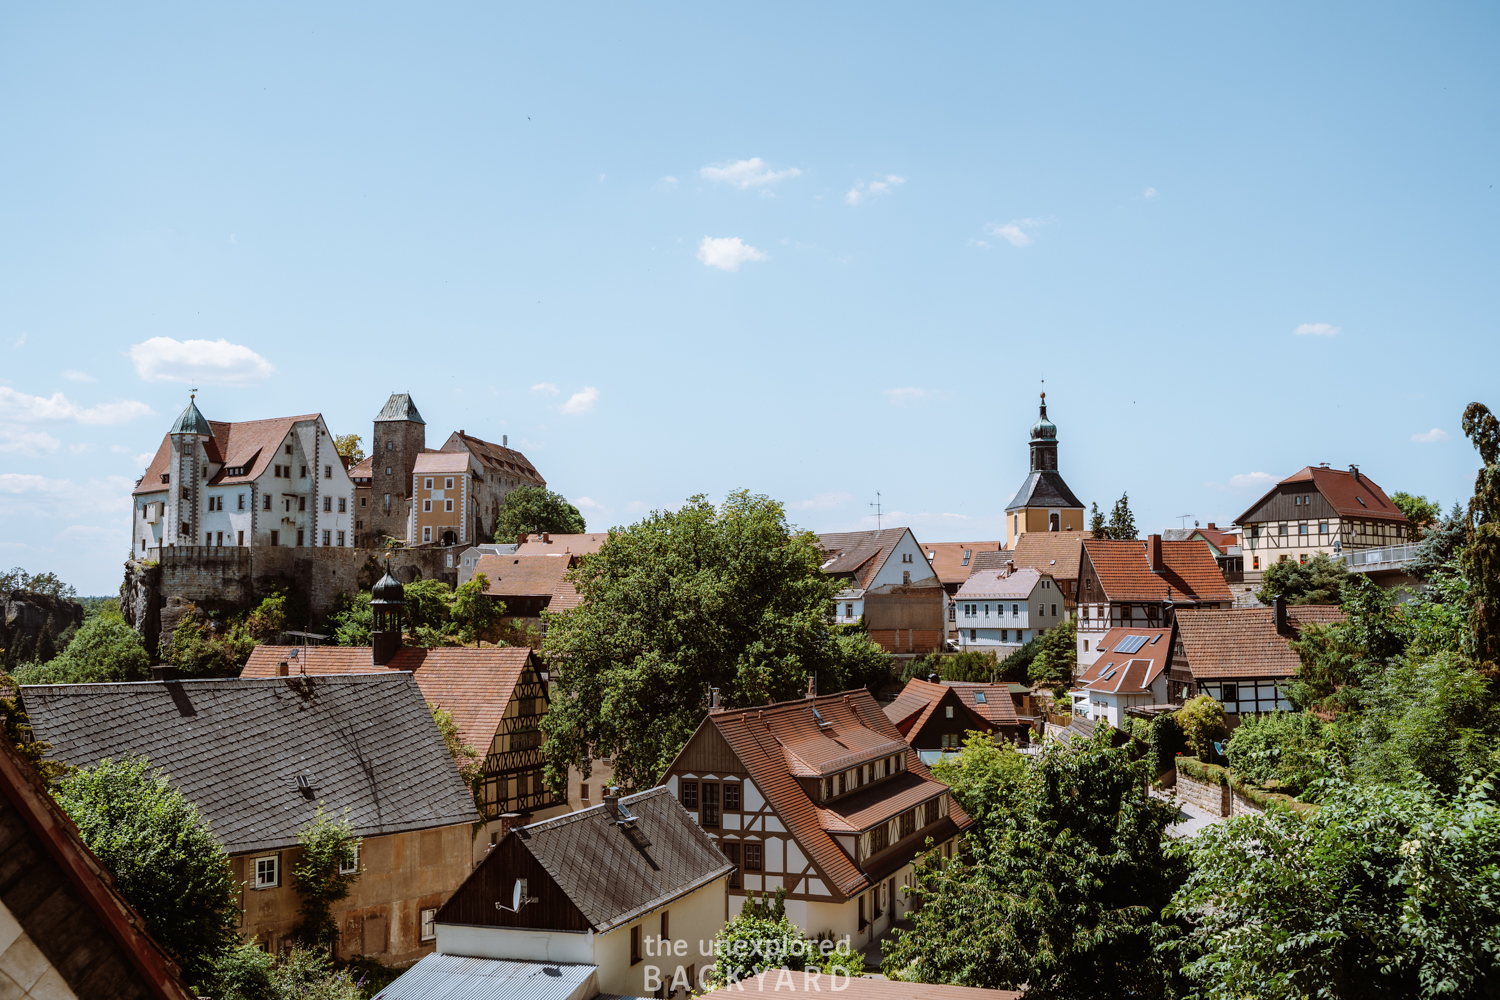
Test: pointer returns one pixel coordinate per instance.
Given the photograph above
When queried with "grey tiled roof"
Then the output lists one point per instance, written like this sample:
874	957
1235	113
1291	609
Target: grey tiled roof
1044	489
400	407
236	747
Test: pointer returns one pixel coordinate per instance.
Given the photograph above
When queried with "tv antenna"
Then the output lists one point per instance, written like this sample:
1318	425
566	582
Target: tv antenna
1184	518
876	505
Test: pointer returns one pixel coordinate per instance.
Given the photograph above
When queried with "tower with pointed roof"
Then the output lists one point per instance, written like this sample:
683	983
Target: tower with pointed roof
400	435
190	435
1044	502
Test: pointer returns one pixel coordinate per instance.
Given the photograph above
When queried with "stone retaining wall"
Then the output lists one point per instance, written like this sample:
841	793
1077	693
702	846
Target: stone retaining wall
1213	799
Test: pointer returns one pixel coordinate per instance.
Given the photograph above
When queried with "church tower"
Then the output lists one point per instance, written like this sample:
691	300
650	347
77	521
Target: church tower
189	436
1044	502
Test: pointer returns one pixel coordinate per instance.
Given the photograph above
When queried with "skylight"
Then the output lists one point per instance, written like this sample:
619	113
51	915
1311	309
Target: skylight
979	697
1155	637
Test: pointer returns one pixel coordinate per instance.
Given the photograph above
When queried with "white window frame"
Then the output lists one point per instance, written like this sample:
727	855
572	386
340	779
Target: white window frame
426	533
427	924
447	506
427	506
275	871
448	483
427	483
354	866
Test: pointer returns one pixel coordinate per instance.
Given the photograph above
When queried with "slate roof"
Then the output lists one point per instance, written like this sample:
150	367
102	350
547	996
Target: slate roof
859	553
995	584
1348	496
776	743
495	457
475	684
400	407
248	444
602	871
1188	568
235	749
523	576
1044	488
947	558
1055	552
1243	642
61	906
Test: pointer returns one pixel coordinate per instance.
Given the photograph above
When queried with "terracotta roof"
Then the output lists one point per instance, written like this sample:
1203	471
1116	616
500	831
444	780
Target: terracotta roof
992	584
1243	642
61	902
574	545
877	803
473	684
998	705
248	444
781	982
523	576
859	553
948	560
495	457
1044	488
920	698
1348	496
1188	568
775	743
1054	552
364	470
430	462
565	597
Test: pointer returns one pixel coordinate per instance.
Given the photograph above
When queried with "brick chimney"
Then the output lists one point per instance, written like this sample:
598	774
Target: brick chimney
1355	470
521	538
1283	627
812	687
1153	547
508	822
546	538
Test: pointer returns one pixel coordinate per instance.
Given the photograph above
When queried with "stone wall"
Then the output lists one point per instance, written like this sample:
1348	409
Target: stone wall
1213	799
158	591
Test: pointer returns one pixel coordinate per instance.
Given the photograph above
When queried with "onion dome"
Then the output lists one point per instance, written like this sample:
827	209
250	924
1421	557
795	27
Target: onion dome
388	590
1044	429
192	422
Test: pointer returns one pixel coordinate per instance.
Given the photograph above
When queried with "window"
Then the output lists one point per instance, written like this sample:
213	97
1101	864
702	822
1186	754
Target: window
341	539
1302	529
906	557
429	923
363	501
208	538
427	534
327	537
353	865
905	577
327	472
343	504
583	791
1054	611
753	858
448	483
731	798
1302	558
1255	562
1231	693
448	505
848	610
908	824
267	504
953	612
635	945
948	711
1041	610
973	635
1281	529
1015	610
1323	527
1296	500
710	816
1085	645
241	539
302	503
242	501
732	852
427	483
300	537
967	554
1005	635
288	449
689	795
304	472
268	872
427	506
275	538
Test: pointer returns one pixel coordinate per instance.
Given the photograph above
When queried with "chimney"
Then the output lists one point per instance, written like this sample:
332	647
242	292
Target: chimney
713	701
612	803
1153	544
812	686
508	821
505	440
1355	469
1212	526
546	538
521	538
163	672
1283	627
932	678
460	432
283	669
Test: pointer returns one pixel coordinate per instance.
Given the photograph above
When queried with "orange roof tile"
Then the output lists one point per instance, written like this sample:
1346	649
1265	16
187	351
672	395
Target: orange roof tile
522	576
1349	496
1243	642
1188	569
948	560
573	545
247	444
495	457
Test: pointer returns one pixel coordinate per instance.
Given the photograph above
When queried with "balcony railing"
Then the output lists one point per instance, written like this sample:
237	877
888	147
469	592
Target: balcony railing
1385	557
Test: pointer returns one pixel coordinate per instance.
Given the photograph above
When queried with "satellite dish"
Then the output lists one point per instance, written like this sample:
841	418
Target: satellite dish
518	898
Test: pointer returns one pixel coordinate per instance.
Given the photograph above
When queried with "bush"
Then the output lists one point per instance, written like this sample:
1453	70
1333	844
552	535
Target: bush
1056	659
104	649
1166	742
1320	581
1202	722
760	938
1282	750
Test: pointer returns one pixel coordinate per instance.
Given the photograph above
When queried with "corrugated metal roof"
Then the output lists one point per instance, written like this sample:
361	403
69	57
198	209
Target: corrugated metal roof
457	977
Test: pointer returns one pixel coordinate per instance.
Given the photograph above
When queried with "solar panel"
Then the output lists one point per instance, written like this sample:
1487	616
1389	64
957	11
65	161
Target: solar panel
1130	644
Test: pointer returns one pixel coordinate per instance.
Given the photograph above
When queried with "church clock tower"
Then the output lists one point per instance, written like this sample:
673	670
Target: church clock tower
1044	502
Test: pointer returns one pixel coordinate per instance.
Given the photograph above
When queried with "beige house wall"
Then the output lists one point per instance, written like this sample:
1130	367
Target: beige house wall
1019	522
694	919
401	875
439	520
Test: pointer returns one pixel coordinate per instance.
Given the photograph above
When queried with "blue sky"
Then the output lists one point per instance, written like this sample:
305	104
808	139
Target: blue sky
812	251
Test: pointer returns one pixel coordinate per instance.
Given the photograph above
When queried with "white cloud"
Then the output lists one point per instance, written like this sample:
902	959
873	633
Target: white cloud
1316	330
1149	194
80	449
747	173
727	253
20	484
979	244
74	375
821	501
57	408
1014	231
28	443
905	394
204	362
588	504
144	458
1246	480
547	387
581	402
1432	437
861	190
54	497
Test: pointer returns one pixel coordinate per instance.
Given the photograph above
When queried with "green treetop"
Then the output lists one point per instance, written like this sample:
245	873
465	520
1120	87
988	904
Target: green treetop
533	509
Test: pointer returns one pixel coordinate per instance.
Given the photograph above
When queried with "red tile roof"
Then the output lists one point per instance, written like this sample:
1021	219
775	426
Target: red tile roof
1156	652
364	470
495	457
1188	569
523	576
777	743
574	545
920	698
781	982
1054	552
250	444
1243	642
1348	496
998	705
948	561
473	684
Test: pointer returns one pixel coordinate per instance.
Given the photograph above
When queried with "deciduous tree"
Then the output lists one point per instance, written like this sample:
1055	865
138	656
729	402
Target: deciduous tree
1420	511
530	509
323	874
1319	581
103	649
349	445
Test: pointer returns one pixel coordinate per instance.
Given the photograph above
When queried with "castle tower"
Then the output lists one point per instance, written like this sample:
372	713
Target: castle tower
189	467
399	436
387	602
1044	502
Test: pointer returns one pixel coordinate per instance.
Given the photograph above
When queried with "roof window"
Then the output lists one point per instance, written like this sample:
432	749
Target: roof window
979	697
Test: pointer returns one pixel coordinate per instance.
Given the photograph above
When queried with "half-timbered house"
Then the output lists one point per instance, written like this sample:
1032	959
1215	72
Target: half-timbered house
1318	510
821	797
1142	584
937	715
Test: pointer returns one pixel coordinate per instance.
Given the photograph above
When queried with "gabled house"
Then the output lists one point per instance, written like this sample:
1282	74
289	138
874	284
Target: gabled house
1056	553
1225	546
821	797
1131	672
1025	603
443	491
1242	657
1142	584
469	558
500	469
937	715
529	584
65	930
259	757
888	582
603	887
1318	510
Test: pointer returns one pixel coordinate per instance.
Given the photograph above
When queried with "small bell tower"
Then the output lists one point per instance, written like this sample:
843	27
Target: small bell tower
388	602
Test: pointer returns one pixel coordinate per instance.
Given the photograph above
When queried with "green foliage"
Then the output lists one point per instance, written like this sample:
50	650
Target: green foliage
47	584
353	620
1480	558
104	649
1420	511
473	613
1202	722
986	777
760	938
1121	520
211	645
969	665
427	605
1380	892
1056	659
1440	544
163	857
1319	581
328	844
1288	751
1165	741
243	973
16	726
1097	524
534	509
247	973
1062	896
348	445
683	601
